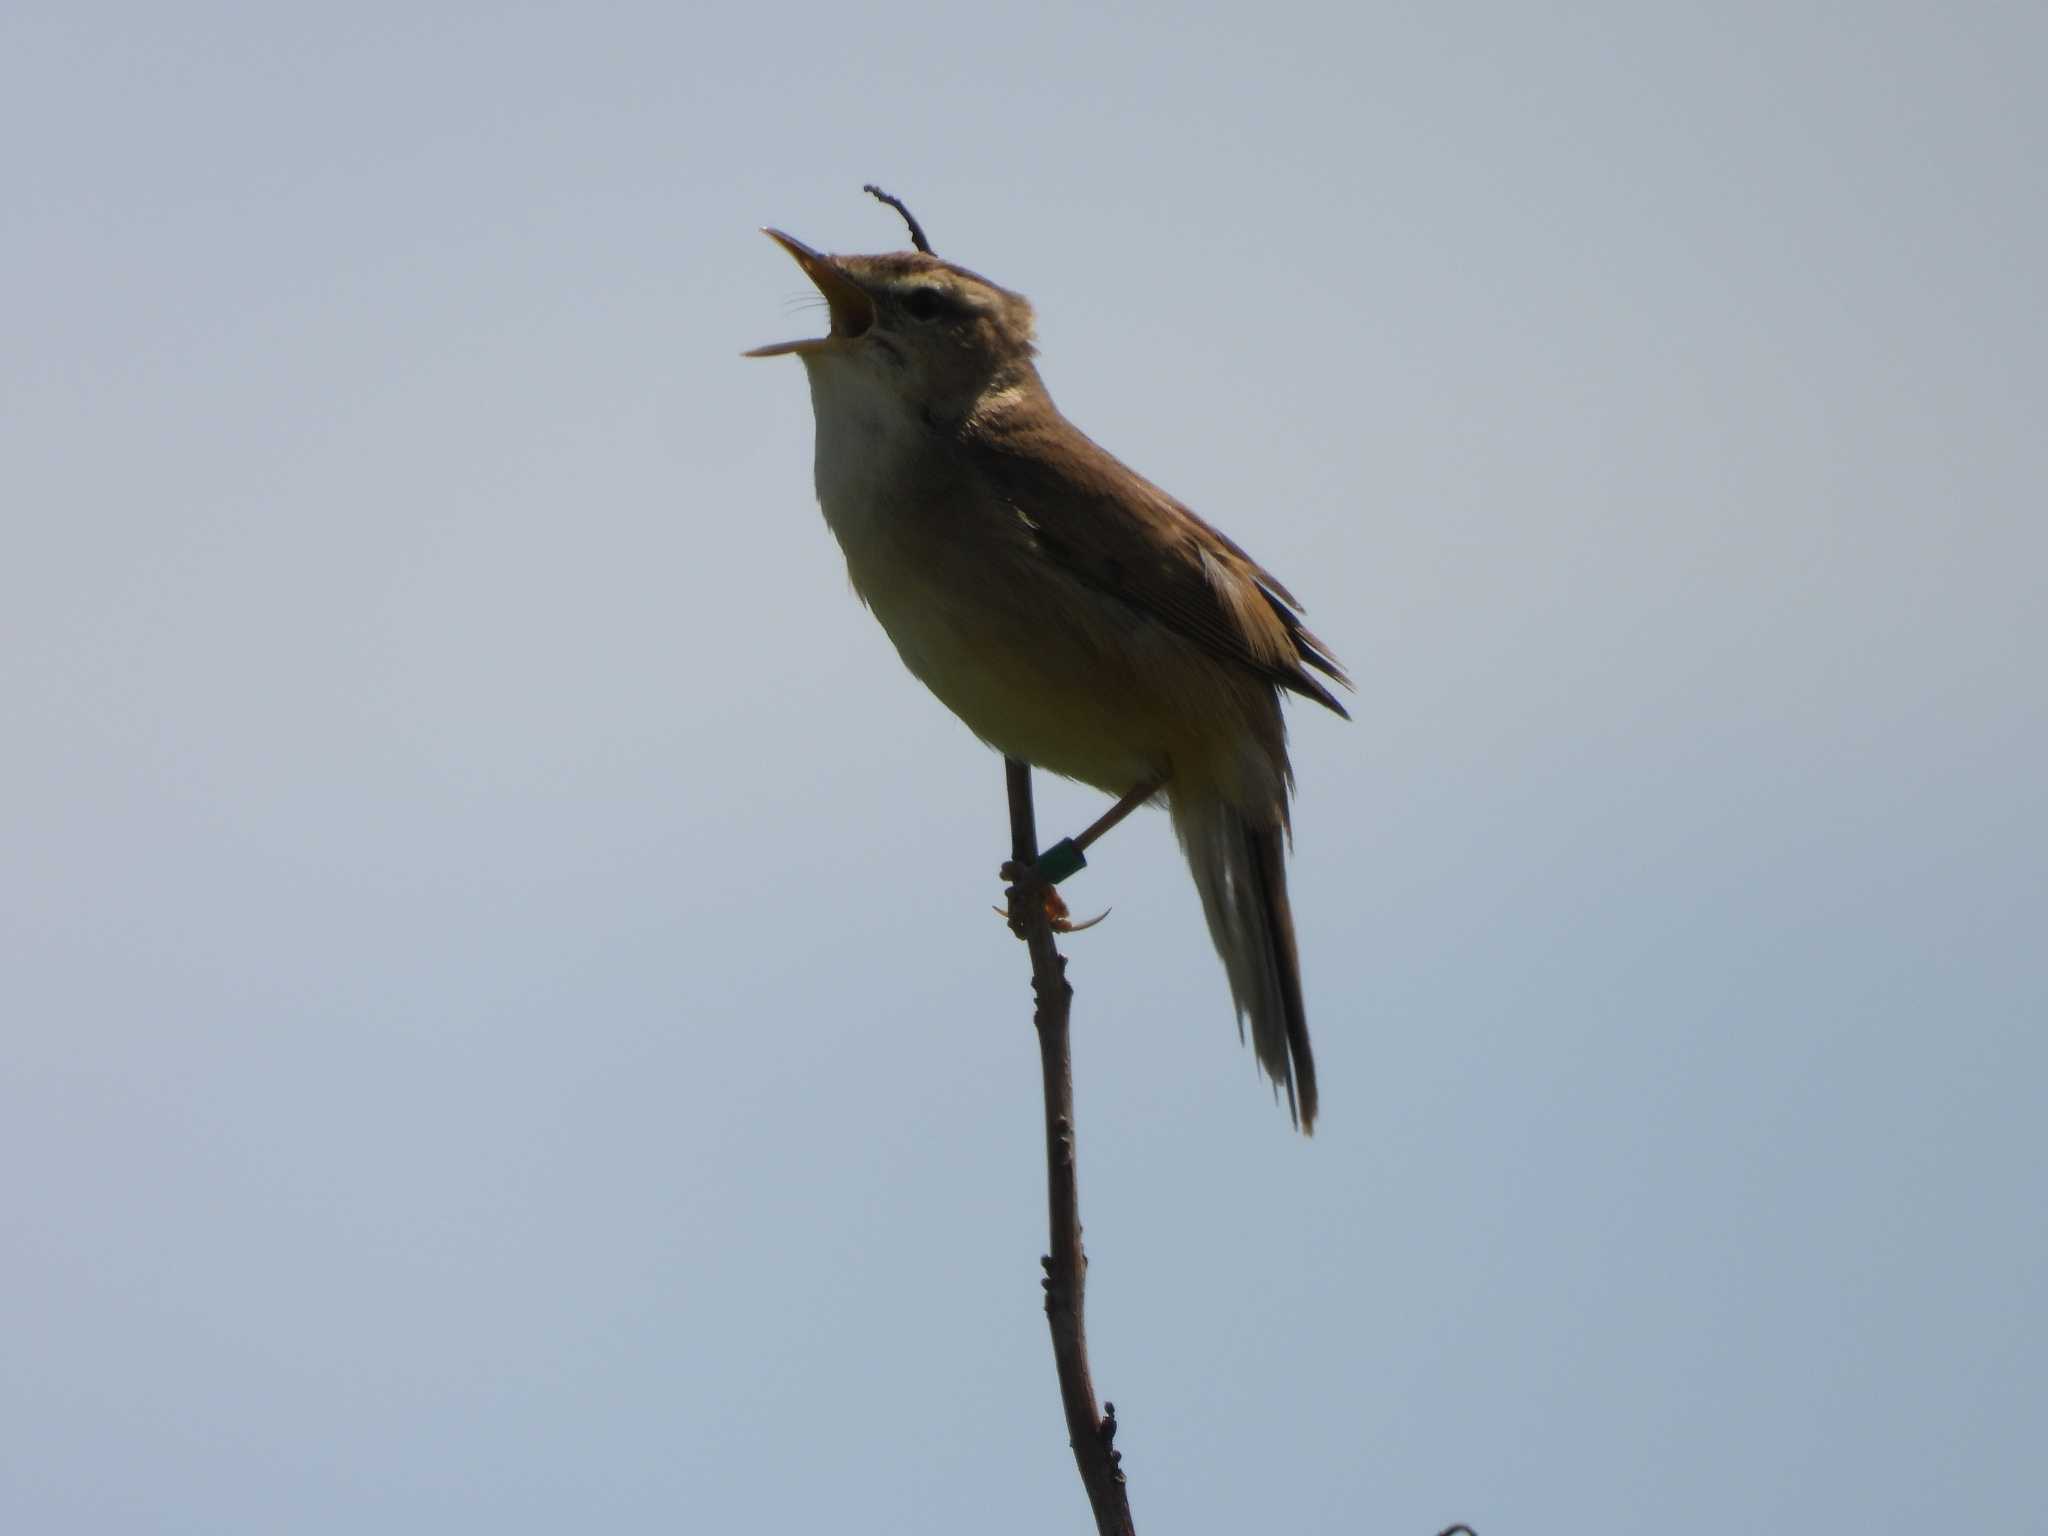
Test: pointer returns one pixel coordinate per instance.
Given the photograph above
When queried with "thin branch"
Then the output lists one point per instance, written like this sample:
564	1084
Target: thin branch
1091	1434
916	229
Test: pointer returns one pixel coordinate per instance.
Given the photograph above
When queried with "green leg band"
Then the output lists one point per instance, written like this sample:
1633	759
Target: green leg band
1060	860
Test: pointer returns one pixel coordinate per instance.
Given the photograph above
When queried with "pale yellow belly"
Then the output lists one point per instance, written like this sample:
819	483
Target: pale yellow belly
1095	693
1028	688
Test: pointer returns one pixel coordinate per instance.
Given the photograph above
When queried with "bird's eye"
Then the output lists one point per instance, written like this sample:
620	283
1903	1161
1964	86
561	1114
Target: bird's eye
923	304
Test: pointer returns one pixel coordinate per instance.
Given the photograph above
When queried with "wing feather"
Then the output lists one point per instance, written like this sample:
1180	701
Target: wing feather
1115	530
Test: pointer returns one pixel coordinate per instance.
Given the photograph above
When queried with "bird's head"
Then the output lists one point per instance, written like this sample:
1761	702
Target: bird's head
939	336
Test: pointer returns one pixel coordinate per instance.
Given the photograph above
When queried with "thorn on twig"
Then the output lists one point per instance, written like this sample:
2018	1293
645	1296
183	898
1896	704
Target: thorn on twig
916	230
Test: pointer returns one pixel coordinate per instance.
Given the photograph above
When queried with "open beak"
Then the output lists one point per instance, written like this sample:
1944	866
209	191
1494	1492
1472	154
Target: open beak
852	310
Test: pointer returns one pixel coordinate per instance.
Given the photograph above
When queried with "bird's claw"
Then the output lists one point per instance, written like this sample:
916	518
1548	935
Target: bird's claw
1024	883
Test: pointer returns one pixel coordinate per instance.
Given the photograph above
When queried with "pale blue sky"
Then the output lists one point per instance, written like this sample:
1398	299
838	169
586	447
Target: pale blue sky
503	1027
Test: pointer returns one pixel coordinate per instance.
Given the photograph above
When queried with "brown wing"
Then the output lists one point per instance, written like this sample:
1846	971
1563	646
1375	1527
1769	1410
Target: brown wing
1121	534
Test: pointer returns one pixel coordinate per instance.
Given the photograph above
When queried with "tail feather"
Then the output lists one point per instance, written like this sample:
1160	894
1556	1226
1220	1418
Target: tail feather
1240	869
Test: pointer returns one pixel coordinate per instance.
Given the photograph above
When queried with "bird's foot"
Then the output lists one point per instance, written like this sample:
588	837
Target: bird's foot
1027	889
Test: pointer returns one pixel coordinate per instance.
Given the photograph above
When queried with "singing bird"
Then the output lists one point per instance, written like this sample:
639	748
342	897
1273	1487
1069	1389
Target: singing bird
1071	613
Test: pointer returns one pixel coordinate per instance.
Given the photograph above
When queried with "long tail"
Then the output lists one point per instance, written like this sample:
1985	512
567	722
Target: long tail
1239	863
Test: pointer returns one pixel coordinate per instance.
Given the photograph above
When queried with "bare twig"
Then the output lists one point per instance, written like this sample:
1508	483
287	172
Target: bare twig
1091	1434
916	229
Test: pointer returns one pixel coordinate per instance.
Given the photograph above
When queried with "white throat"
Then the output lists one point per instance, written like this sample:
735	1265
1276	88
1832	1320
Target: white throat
867	436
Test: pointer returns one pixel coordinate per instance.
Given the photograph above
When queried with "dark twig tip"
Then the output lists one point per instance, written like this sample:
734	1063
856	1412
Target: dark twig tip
916	229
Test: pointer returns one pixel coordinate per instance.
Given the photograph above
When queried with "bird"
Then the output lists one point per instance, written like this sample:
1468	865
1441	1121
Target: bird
1071	613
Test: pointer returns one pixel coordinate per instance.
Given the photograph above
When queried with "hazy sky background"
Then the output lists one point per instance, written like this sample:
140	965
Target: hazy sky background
503	1028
